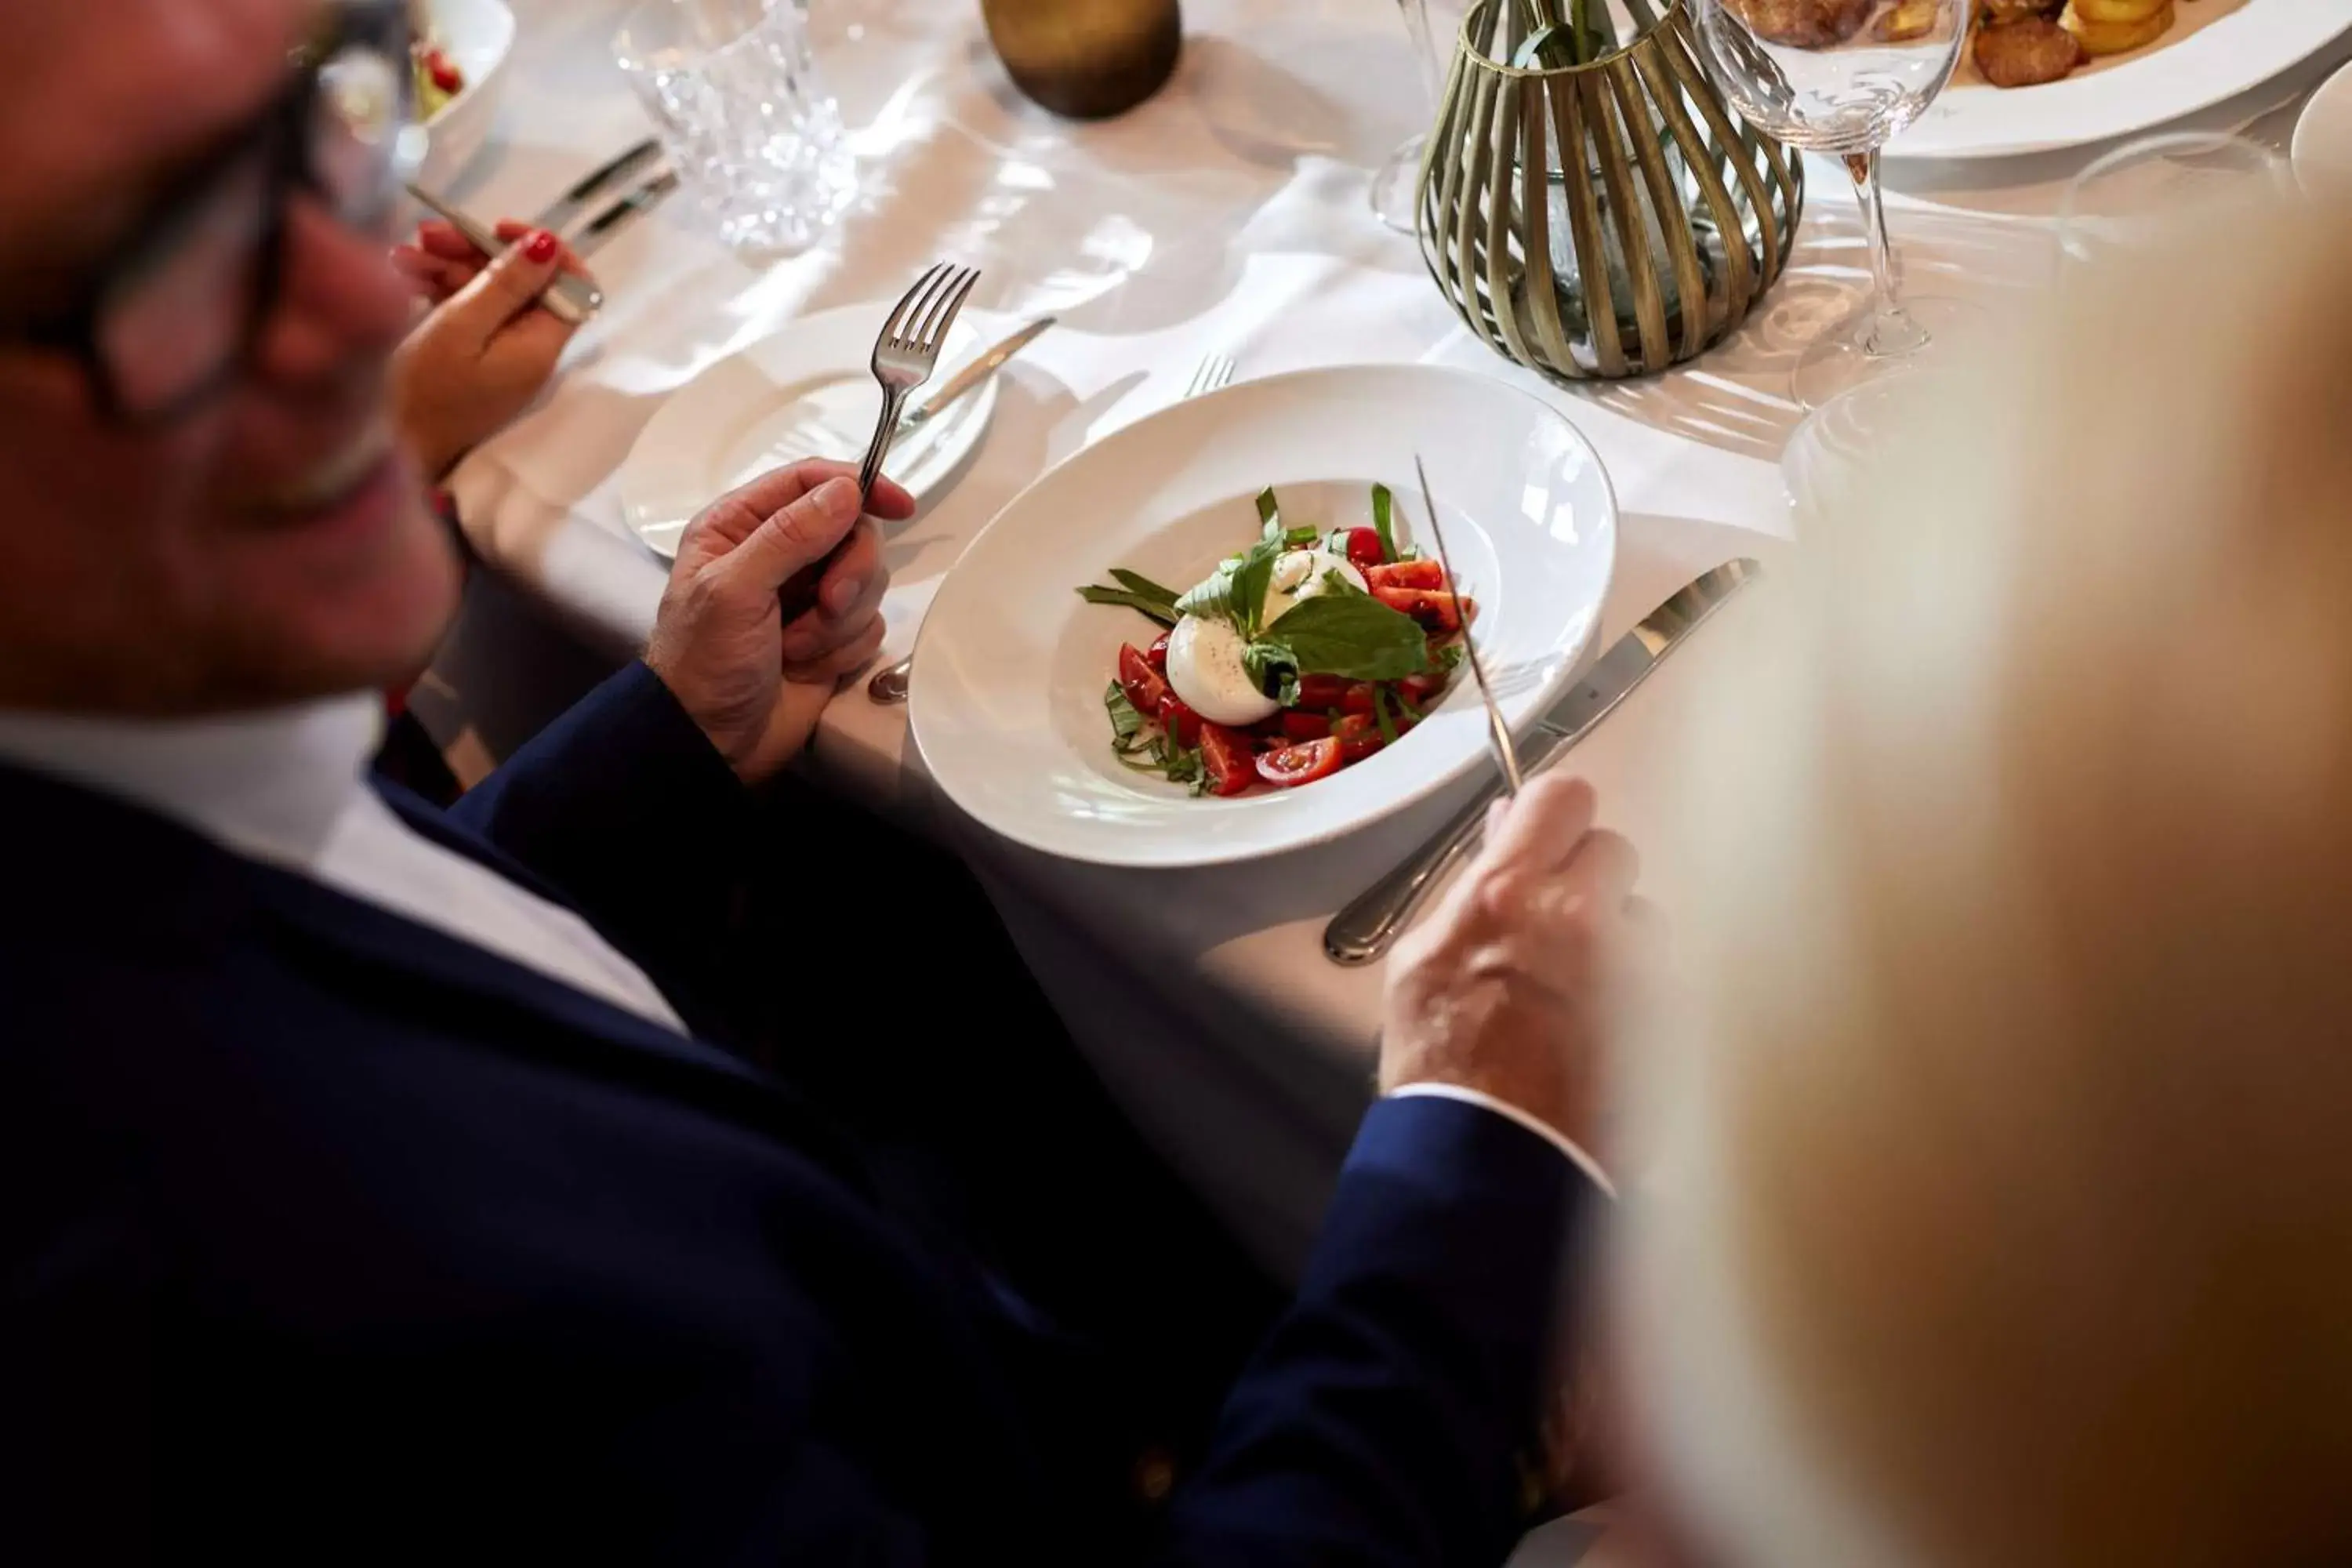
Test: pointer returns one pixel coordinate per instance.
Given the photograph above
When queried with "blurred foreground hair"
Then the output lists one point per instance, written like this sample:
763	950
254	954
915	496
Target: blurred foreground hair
2002	1208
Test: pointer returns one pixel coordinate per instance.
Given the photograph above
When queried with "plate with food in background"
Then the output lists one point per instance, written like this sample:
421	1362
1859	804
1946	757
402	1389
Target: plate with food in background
1216	634
2043	74
458	49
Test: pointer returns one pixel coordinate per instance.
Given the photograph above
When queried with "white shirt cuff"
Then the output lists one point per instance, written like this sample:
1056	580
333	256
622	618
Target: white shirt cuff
1537	1125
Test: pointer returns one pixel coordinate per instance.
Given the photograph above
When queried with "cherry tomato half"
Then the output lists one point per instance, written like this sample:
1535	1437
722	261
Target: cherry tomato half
1420	690
1226	755
1359	735
1321	691
1407	574
1364	550
1140	681
1180	720
1431	609
1298	726
1302	763
1158	653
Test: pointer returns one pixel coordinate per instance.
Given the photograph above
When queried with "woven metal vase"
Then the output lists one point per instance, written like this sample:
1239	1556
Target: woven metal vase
1605	219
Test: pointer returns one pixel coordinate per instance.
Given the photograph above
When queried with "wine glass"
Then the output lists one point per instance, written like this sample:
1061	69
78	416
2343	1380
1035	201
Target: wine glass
1841	77
1396	184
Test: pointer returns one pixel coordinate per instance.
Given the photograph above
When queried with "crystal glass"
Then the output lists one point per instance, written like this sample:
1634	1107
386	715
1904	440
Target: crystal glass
1843	77
755	137
1431	28
1840	443
2132	198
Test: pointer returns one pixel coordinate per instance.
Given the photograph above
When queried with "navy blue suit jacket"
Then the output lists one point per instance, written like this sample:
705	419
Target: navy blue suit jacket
324	1236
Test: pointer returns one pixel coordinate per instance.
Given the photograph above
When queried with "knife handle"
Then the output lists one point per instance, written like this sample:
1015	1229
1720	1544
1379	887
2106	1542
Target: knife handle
1368	927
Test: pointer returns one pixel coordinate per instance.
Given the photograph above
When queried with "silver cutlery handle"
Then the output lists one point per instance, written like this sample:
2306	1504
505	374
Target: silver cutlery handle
1367	927
884	431
890	685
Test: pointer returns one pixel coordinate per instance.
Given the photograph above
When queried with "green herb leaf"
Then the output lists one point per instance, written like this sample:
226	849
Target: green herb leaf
1126	723
1273	669
1383	503
1268	509
1236	593
1381	716
1349	635
1137	583
1165	614
1448	657
1302	538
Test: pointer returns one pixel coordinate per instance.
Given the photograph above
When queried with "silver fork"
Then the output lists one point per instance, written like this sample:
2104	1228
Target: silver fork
904	356
890	685
908	350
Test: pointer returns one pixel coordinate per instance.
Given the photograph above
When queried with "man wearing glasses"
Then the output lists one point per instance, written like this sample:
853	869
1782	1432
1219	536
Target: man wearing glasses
365	1193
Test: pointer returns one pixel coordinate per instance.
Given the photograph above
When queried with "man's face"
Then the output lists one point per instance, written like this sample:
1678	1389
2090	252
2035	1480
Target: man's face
267	545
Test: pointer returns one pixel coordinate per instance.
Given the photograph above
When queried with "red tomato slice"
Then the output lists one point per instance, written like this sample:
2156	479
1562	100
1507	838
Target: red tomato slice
1227	756
1421	689
1180	720
1141	682
1297	726
1158	653
1364	550
1407	574
1321	692
1302	763
1359	735
1357	699
1433	608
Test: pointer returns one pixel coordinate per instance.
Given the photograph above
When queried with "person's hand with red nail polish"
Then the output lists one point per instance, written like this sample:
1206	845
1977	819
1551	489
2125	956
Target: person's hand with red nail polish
486	350
755	684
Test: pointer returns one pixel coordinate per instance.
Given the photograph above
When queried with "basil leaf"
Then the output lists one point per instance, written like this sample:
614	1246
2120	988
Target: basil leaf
1273	669
1165	614
1126	723
1137	583
1448	657
1384	504
1352	635
1237	592
1268	509
1302	538
1381	716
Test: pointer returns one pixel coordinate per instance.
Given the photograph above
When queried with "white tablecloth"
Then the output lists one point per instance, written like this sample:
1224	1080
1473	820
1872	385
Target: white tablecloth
1229	213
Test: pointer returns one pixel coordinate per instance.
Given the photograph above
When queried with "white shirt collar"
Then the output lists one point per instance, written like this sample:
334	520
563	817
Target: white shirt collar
269	784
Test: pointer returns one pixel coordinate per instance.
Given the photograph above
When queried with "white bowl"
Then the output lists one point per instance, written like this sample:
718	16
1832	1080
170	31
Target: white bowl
1010	666
479	36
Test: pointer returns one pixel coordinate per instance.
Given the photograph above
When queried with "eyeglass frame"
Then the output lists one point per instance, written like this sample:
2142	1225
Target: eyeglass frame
284	135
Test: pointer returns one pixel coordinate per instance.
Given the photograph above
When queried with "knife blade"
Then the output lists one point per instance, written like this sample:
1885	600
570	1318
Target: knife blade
1366	929
972	375
571	298
1506	756
568	206
621	214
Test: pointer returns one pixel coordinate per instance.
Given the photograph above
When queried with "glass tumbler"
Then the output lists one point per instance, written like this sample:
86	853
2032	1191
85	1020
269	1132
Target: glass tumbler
747	124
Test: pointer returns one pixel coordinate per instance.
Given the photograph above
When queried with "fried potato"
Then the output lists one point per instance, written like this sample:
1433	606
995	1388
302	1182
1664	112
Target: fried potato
1909	19
2117	37
1804	23
2118	10
1992	11
2027	53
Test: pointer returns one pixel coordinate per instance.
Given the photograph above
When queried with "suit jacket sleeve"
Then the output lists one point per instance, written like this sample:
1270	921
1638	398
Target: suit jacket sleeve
625	806
1391	1417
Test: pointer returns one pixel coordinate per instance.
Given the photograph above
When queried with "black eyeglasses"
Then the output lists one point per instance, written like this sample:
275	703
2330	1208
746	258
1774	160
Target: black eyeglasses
175	310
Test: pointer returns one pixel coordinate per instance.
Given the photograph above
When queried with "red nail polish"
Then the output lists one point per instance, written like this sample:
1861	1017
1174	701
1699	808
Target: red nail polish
540	248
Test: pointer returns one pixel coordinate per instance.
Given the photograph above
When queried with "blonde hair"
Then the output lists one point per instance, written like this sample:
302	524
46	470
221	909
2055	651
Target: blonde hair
2004	1213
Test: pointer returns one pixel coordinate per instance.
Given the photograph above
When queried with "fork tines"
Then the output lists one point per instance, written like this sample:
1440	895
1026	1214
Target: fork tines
926	310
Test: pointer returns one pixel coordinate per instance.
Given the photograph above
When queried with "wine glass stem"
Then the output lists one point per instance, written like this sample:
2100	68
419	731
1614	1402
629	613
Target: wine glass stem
1887	330
1425	47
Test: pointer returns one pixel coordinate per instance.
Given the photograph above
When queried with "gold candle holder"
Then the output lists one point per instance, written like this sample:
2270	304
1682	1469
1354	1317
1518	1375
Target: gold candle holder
1087	59
1601	219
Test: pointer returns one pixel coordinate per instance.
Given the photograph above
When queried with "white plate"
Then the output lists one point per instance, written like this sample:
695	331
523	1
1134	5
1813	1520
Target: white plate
479	36
1011	666
805	391
2323	137
2215	49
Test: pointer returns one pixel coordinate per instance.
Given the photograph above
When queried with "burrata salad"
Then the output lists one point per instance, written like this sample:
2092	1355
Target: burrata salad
1306	653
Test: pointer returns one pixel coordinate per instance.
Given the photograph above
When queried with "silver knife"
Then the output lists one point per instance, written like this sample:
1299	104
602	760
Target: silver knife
972	375
1366	928
571	297
1506	755
565	209
621	214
